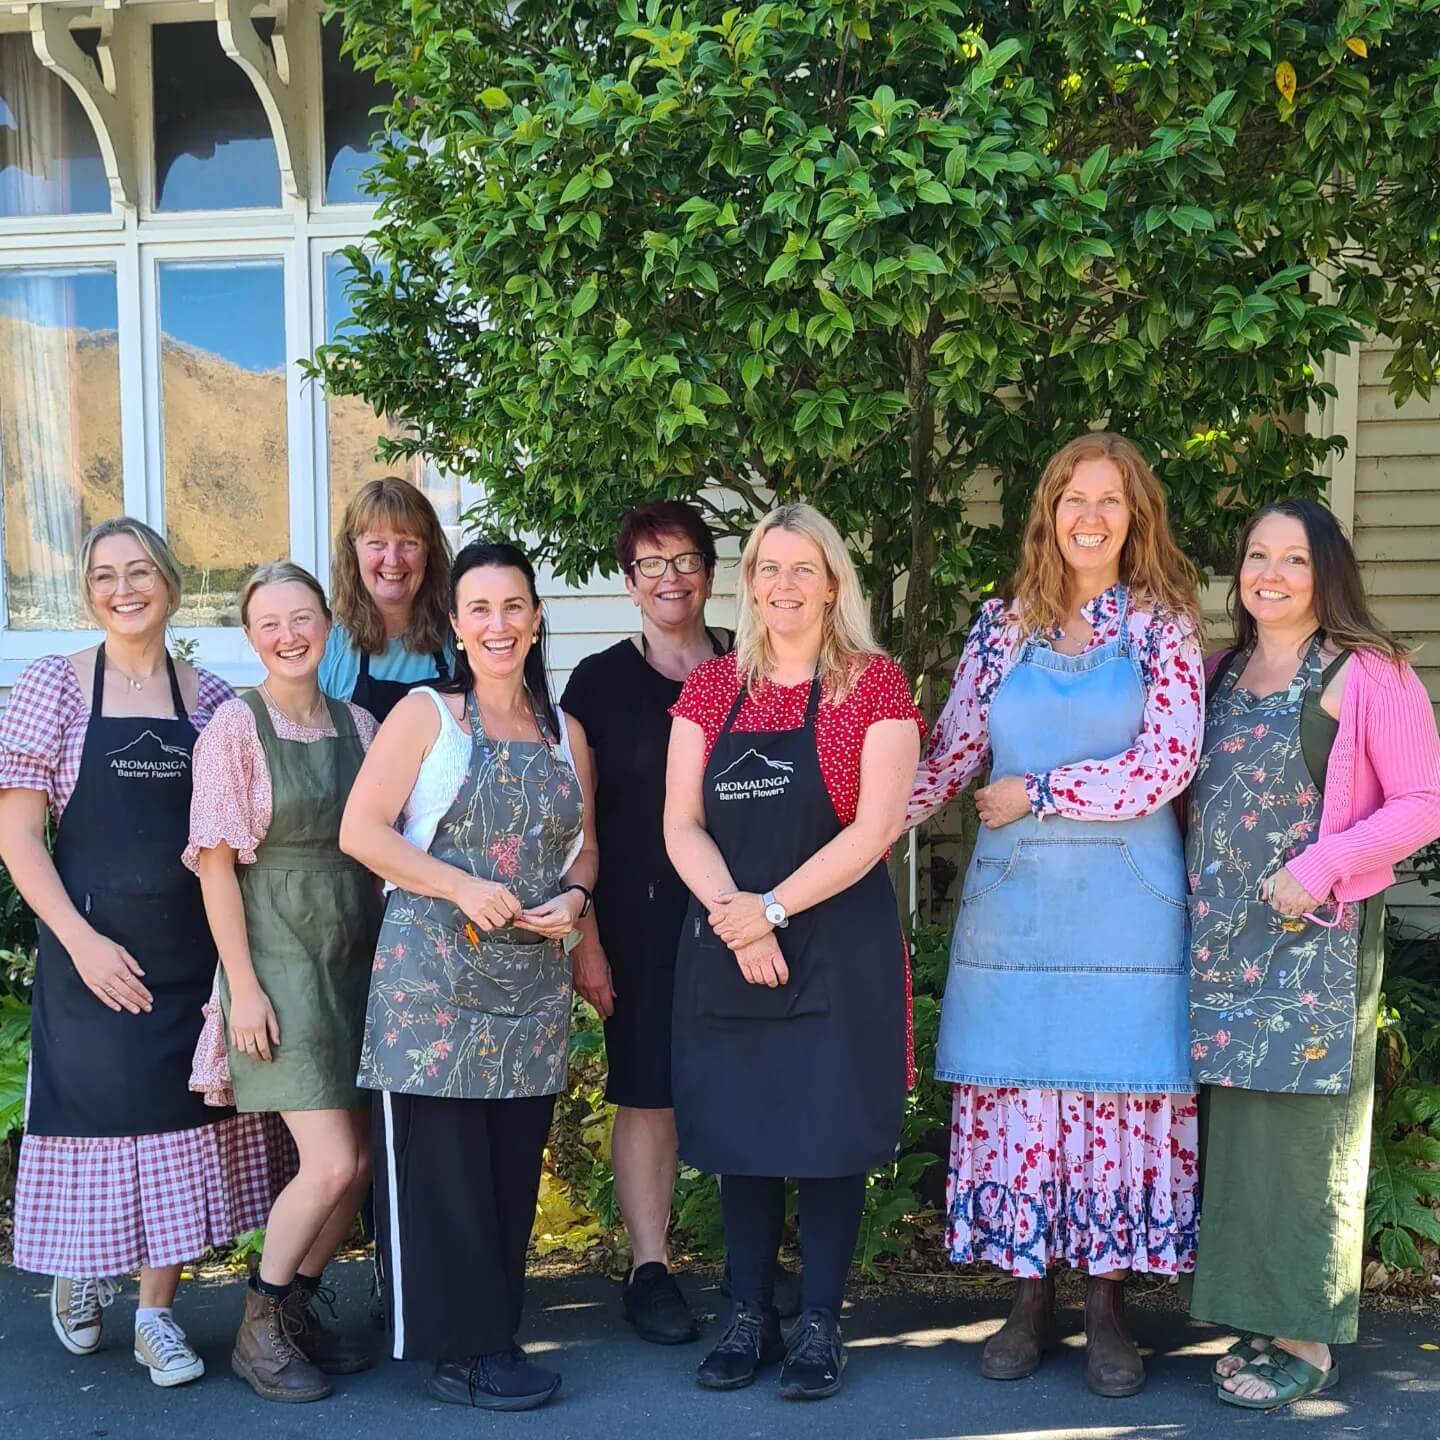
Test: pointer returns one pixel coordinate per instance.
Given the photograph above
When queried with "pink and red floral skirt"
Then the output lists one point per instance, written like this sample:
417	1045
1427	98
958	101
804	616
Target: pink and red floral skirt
1099	1182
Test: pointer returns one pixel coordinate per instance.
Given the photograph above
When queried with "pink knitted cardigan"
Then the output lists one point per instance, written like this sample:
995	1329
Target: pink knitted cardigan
1382	783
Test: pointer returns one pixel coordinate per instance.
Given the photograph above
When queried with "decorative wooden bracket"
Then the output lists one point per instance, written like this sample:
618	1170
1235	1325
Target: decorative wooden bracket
273	75
97	90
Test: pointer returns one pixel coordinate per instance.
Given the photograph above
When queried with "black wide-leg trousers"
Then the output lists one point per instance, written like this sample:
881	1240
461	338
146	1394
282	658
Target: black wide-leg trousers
455	1189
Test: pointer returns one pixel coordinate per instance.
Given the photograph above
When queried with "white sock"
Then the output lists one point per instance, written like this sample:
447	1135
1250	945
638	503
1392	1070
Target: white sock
151	1312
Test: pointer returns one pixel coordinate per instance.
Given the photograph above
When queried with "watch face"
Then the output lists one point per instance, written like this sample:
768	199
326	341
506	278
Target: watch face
774	914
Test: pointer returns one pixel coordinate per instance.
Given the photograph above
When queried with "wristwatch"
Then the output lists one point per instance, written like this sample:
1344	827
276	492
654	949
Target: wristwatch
774	910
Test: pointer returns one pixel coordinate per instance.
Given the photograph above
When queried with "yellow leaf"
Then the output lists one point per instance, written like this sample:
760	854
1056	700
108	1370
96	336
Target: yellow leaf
1357	46
1430	1347
1285	79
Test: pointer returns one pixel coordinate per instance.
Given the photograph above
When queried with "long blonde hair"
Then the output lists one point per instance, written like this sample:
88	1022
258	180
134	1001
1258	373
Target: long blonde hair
846	640
1153	568
399	505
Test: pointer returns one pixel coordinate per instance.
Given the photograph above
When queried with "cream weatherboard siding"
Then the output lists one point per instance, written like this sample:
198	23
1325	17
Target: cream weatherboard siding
1392	485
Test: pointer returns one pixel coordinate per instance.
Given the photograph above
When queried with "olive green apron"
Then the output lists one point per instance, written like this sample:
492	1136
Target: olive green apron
312	915
1283	1176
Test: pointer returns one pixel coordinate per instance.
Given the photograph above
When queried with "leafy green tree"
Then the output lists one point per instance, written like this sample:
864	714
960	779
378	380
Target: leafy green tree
880	253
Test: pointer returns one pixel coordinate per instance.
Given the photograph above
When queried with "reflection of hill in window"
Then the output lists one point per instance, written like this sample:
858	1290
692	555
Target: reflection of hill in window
213	147
59	438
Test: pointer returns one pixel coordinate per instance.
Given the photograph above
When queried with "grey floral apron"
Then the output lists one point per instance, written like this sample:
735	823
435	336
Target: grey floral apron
1272	997
455	1011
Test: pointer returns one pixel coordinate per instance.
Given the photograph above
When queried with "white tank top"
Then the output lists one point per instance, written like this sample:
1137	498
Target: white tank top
440	776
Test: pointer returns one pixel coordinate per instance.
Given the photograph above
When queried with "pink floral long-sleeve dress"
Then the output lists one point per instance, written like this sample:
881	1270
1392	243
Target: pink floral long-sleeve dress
1098	1181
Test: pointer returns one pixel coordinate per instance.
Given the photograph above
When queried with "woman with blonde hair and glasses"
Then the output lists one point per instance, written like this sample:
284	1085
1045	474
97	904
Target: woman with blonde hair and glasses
122	1167
789	765
1074	1129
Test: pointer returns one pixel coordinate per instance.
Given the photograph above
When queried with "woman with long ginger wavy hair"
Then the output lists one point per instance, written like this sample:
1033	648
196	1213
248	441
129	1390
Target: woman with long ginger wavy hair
1074	1129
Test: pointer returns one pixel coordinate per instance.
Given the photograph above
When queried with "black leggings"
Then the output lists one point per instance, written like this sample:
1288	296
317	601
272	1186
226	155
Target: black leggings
754	1210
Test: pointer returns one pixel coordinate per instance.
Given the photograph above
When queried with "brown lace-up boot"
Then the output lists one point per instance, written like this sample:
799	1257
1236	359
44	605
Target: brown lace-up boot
1016	1349
1113	1365
326	1349
265	1356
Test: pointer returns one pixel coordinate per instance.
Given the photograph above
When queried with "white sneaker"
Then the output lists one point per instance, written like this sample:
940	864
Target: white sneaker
161	1346
75	1311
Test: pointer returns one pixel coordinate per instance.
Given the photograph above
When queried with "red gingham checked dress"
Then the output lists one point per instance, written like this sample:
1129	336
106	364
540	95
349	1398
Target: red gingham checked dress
92	1206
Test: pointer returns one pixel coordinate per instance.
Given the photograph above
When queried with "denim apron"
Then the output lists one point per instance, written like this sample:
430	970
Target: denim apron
1069	965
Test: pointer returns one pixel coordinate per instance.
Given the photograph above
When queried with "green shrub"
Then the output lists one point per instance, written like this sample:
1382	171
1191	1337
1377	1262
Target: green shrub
1405	1148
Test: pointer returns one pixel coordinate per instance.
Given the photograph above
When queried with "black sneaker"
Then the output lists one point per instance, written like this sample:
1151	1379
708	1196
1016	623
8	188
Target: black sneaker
814	1359
656	1308
506	1380
787	1290
751	1341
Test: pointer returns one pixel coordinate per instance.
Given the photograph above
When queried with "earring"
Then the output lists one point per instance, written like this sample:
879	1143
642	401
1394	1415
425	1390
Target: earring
459	644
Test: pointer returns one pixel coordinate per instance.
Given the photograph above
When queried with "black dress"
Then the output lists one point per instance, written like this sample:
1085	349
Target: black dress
624	702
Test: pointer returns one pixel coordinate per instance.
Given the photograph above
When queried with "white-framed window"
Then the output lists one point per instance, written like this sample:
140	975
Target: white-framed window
173	198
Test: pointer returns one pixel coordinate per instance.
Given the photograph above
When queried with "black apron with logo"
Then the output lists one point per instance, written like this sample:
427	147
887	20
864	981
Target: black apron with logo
95	1071
806	1079
380	697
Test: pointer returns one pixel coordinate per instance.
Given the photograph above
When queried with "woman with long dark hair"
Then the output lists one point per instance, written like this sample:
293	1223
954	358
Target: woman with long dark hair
468	1024
1320	772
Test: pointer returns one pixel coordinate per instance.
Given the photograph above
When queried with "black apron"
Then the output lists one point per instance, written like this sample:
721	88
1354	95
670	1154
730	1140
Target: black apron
380	697
806	1079
95	1071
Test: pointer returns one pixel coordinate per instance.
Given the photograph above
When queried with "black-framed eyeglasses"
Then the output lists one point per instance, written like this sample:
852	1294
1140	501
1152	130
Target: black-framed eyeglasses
652	567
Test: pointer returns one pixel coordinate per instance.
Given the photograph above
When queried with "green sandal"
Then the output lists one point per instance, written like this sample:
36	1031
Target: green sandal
1292	1378
1244	1349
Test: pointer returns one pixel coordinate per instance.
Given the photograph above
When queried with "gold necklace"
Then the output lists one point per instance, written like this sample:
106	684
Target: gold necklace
270	700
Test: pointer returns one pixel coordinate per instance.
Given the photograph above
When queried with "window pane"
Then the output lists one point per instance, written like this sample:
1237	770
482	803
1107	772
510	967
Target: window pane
353	428
49	158
213	147
59	433
350	96
222	374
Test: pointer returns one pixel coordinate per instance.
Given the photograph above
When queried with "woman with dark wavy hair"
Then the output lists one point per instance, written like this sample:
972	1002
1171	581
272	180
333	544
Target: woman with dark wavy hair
1320	771
468	1024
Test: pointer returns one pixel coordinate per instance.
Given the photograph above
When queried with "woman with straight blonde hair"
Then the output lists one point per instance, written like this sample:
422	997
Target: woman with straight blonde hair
1074	1131
390	588
788	769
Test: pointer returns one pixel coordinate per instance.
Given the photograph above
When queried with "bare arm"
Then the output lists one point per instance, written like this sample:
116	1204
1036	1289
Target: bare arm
695	856
368	834
109	971
253	1026
590	967
887	764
